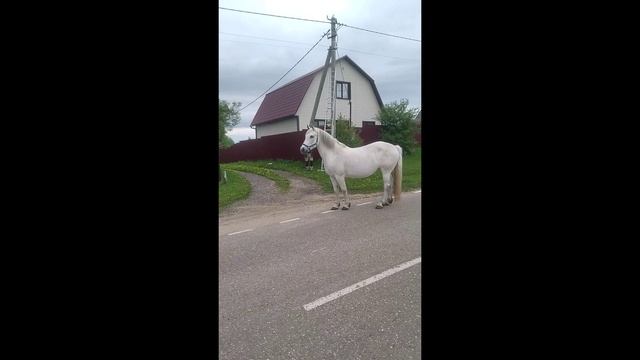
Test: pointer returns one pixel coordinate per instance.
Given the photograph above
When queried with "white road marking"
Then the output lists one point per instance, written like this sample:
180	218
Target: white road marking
365	203
240	232
286	221
361	284
417	191
328	211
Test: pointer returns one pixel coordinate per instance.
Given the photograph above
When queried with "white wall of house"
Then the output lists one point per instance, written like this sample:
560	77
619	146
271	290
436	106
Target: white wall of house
277	127
364	106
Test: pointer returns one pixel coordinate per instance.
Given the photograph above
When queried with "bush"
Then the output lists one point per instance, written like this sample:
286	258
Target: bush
346	134
398	126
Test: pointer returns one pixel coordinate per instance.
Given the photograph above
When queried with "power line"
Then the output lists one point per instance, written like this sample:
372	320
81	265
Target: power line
285	74
318	21
377	32
299	47
280	16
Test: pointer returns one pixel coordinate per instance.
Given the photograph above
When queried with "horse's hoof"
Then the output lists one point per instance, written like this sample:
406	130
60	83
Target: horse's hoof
334	208
378	206
390	201
385	204
345	208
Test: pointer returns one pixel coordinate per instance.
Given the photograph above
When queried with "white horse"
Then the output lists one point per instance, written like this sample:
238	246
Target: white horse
341	161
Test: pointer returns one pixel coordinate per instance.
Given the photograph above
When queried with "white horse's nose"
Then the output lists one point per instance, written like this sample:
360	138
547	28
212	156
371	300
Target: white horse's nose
303	150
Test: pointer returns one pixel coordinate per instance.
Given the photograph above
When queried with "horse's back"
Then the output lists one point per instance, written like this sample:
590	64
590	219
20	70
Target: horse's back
363	161
385	150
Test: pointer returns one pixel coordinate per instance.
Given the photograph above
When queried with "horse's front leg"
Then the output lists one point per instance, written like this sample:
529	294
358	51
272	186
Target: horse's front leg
335	190
345	193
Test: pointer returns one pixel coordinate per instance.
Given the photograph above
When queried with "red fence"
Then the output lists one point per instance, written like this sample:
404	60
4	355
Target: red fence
284	146
370	133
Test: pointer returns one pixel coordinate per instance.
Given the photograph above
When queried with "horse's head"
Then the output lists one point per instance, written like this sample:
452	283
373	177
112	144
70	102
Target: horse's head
310	140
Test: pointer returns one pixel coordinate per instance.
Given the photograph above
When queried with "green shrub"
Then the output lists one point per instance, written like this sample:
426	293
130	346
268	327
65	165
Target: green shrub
347	134
398	126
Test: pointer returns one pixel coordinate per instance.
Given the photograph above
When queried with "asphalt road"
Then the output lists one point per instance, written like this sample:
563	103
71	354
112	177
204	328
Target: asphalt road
271	266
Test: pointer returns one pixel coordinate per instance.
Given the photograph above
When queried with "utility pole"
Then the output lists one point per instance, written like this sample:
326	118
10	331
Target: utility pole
331	56
333	75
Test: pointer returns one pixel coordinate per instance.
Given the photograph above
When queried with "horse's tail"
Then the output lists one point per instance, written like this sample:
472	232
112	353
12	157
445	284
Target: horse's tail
397	176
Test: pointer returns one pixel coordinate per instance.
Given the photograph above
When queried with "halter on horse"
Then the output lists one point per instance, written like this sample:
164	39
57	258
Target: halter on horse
341	161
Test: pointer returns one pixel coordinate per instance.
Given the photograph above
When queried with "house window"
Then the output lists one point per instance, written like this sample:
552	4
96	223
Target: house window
343	90
368	123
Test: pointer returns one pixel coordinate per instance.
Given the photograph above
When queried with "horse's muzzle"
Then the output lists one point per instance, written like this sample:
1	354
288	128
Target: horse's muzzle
303	150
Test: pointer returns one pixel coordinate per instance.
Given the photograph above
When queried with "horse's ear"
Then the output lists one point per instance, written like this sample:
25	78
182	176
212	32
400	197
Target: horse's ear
308	126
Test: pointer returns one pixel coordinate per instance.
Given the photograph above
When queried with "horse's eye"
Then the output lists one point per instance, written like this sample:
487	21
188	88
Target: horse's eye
311	137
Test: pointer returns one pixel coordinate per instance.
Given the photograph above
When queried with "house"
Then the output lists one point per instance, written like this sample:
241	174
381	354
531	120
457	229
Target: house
288	108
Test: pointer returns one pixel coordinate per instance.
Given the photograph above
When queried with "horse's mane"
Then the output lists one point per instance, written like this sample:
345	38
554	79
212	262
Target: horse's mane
329	140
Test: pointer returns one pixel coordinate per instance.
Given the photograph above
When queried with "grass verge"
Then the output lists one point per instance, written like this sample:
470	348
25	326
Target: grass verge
236	188
411	173
281	182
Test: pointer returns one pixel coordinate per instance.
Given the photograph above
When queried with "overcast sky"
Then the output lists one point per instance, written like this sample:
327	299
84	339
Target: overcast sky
256	50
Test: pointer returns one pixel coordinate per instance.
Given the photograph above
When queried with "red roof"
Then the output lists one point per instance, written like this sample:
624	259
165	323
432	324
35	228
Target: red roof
286	100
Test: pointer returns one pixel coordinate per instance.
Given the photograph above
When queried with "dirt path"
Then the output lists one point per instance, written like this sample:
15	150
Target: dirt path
266	198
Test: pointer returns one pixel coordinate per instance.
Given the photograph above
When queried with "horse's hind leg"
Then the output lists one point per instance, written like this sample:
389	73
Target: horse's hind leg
386	180
335	190
343	187
390	188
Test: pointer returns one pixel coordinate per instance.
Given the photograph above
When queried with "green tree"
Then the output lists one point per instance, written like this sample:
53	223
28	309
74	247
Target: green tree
347	134
227	142
228	117
398	126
